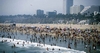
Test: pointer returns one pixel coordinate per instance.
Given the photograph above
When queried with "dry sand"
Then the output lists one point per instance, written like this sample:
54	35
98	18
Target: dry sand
58	25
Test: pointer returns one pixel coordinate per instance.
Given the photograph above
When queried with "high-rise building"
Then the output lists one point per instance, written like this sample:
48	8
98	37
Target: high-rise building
99	8
66	6
40	12
52	14
76	9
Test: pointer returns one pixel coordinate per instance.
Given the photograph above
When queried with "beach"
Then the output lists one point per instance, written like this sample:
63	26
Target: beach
78	26
52	37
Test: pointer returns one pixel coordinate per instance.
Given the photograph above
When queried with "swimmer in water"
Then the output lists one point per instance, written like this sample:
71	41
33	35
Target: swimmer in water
59	49
47	49
3	51
52	48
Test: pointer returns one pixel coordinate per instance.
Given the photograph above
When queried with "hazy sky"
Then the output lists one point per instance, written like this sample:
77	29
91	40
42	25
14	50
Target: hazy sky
14	7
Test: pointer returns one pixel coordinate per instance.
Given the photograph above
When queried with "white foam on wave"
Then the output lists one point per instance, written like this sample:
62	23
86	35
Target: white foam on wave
29	44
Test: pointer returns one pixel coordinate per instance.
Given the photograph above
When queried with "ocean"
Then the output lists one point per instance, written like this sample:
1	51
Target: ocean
36	47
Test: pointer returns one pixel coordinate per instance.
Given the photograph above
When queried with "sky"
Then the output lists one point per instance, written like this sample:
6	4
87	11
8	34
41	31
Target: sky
15	7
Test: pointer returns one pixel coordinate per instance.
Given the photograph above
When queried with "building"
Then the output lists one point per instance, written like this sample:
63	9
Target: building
52	14
90	9
95	12
84	22
76	9
66	6
40	12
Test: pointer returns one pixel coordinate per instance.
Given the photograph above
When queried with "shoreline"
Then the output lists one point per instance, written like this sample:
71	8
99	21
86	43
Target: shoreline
29	44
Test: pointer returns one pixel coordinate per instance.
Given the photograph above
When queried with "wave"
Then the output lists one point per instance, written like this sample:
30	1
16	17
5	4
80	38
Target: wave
33	47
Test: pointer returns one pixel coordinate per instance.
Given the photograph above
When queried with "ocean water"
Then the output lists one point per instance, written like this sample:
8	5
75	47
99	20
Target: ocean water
35	47
32	47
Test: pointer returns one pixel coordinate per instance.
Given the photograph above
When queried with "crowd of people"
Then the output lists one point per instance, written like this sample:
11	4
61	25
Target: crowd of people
89	37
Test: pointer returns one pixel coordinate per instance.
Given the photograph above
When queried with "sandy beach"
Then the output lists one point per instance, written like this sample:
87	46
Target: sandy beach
58	25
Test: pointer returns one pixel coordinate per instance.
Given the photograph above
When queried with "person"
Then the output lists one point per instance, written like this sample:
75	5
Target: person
14	45
2	41
75	44
17	42
3	51
69	46
86	46
52	48
47	49
23	43
2	36
37	44
51	44
59	49
14	52
89	49
94	47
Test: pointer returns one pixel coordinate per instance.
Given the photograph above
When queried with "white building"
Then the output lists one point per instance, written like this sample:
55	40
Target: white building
76	9
85	22
90	9
95	12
